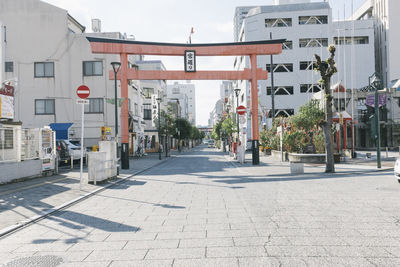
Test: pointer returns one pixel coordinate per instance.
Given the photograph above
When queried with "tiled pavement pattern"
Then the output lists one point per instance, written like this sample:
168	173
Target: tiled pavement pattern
200	210
23	200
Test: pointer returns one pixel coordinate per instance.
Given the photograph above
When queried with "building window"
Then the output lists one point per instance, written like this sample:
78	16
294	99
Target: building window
9	66
96	105
284	113
281	90
136	109
148	92
313	42
351	40
284	67
92	68
44	69
279	22
310	88
44	106
304	20
147	111
7	139
307	65
288	45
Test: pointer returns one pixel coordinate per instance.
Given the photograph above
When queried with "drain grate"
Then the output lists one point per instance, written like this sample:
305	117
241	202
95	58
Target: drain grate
37	261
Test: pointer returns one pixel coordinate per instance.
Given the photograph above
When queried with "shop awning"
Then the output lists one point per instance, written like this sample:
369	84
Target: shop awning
61	130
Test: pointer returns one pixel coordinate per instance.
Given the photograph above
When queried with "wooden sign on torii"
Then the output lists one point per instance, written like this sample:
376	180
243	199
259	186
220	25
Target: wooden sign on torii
253	74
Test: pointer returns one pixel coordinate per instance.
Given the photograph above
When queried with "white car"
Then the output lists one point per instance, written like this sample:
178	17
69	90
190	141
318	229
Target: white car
397	169
75	150
211	143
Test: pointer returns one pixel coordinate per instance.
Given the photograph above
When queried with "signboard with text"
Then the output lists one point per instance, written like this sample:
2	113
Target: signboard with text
370	101
7	102
154	109
190	61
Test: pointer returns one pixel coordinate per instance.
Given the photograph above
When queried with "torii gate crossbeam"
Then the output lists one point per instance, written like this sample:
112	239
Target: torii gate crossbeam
128	47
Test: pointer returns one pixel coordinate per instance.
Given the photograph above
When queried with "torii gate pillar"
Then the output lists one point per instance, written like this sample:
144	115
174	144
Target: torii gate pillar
254	111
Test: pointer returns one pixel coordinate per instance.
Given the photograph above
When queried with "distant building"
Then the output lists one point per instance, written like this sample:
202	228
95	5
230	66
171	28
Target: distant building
186	93
216	113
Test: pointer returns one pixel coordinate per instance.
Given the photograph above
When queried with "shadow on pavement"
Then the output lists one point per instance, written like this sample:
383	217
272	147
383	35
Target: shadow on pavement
303	177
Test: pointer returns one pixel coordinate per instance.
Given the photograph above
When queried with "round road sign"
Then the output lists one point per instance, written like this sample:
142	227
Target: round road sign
83	91
241	110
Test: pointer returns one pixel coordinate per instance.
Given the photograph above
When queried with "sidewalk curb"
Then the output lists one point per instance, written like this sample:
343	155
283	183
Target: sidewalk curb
11	229
238	165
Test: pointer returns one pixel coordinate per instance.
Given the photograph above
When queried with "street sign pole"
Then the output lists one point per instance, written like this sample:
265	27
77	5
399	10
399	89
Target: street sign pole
82	92
378	130
82	129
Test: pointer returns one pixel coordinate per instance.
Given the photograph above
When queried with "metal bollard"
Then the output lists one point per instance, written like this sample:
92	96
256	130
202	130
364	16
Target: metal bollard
56	165
387	152
72	161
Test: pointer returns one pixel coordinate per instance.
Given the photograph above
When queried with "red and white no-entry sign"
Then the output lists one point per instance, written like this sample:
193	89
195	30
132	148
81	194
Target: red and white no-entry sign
241	110
83	91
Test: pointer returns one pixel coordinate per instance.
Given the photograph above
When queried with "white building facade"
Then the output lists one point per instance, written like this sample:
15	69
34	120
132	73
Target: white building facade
188	103
308	30
48	54
384	13
152	89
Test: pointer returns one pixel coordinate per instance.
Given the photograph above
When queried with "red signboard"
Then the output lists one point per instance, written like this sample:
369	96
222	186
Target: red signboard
83	91
241	110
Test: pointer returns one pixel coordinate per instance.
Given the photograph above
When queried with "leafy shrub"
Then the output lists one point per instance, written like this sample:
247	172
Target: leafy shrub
295	140
319	141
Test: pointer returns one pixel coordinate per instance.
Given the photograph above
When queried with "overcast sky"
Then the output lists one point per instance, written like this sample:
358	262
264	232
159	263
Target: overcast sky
171	21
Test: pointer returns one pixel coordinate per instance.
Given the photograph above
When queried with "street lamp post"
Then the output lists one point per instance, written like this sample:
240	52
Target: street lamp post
116	66
159	128
375	83
237	91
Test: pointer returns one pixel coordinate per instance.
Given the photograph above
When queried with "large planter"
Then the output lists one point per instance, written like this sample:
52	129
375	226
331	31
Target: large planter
277	154
267	152
307	158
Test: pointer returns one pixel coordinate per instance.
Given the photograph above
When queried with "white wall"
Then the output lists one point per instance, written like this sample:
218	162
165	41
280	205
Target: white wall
2	52
393	36
39	32
254	29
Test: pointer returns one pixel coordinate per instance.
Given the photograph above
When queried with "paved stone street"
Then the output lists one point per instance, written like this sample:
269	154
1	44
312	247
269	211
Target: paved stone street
24	200
201	209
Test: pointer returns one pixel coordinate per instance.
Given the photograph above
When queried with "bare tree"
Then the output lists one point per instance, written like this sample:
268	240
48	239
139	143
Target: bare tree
327	69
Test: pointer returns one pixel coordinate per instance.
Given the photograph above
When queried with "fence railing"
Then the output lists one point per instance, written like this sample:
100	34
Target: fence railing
25	144
9	144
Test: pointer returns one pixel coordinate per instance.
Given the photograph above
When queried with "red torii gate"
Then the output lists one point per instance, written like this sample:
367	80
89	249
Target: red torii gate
127	47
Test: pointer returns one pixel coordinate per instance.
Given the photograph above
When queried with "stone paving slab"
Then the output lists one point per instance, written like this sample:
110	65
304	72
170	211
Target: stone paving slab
23	200
201	210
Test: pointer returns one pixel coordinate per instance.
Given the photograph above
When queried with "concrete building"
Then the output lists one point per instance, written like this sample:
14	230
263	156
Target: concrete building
152	89
216	113
308	30
186	93
384	13
46	51
2	52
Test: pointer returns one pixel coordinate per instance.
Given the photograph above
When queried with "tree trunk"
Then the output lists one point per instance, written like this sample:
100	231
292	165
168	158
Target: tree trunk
327	127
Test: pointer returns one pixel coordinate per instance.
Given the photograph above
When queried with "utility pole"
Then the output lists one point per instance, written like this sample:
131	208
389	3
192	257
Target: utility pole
271	69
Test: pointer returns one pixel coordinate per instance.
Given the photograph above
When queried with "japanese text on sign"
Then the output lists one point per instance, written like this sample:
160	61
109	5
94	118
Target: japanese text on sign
154	109
190	61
